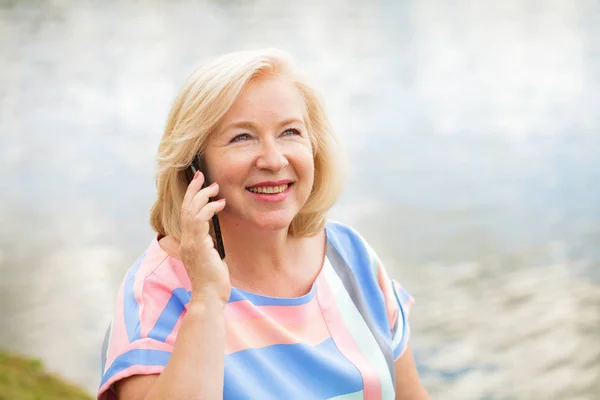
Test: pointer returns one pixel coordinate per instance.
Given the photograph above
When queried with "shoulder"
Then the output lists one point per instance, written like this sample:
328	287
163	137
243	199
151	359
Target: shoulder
152	298
154	269
349	243
341	234
339	228
386	300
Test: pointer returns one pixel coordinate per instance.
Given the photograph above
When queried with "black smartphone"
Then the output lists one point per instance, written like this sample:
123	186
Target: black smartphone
193	168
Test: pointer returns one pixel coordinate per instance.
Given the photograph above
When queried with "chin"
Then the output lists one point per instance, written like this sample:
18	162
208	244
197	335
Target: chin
273	221
263	220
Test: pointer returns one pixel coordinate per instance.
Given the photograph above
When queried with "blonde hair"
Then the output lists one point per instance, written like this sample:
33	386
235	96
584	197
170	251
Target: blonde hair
207	94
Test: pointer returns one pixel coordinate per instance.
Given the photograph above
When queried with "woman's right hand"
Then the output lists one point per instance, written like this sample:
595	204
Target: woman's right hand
208	274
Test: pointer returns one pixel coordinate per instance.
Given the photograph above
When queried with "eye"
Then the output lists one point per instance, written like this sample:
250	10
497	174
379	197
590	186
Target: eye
240	138
291	132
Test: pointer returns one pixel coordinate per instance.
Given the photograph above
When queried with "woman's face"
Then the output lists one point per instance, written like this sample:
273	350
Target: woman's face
261	155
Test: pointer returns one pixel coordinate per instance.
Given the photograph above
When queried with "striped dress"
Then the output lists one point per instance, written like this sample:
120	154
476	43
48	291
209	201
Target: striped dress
339	341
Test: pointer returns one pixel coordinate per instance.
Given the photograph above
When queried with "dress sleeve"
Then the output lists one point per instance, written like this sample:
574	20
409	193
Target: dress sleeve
398	303
150	304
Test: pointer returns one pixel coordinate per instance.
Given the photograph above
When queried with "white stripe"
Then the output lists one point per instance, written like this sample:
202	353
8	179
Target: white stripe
105	366
359	330
399	333
349	396
400	330
375	261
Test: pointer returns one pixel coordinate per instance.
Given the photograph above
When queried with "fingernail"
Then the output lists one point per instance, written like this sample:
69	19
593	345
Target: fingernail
212	184
197	174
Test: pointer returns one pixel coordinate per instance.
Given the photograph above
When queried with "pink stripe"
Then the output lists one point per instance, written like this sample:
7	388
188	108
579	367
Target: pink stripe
257	333
344	340
141	344
385	284
148	344
244	309
119	339
170	340
148	266
161	275
172	272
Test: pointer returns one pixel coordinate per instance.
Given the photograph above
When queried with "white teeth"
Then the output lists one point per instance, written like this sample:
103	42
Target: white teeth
269	189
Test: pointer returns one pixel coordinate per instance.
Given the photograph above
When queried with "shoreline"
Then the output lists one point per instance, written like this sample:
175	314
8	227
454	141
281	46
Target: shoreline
24	378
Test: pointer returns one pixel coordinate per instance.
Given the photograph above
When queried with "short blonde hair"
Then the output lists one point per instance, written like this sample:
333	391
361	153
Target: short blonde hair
208	93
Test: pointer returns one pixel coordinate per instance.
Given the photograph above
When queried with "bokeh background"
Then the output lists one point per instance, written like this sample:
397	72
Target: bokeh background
473	131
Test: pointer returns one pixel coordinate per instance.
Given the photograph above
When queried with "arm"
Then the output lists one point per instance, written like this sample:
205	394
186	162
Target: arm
195	369
408	384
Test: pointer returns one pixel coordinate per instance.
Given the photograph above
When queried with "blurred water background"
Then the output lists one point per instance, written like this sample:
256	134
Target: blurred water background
473	130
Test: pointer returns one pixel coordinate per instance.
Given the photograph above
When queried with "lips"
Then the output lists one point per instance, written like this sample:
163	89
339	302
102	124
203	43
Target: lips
270	187
271	183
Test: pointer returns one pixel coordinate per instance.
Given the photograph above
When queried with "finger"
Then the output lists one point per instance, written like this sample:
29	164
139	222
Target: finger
192	189
200	223
203	197
211	209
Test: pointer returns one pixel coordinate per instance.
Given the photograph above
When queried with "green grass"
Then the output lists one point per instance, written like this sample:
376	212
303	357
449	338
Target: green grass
26	379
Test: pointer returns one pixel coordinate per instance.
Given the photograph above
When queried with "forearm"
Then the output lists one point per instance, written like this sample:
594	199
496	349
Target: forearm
408	384
195	368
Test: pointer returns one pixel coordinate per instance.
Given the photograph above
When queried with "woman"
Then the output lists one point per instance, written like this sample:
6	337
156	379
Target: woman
301	308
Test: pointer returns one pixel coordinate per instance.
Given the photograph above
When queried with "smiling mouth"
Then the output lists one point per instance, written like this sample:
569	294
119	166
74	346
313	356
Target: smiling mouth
269	189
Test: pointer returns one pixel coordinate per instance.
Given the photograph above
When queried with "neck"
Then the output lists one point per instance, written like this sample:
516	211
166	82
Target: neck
250	250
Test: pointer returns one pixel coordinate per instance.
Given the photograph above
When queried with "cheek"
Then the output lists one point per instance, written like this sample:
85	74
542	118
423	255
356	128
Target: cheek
229	170
304	156
308	163
306	173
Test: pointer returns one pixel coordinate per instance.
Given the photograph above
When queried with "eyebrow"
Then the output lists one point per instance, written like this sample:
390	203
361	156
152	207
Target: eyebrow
250	125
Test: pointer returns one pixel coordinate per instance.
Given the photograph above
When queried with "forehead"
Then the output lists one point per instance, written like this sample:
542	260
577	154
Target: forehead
275	97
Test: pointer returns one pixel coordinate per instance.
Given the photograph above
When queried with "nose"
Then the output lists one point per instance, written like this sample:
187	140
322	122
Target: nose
271	157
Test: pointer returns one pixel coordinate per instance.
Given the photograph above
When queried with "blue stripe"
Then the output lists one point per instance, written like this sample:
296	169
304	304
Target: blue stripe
292	371
170	314
403	296
353	288
136	357
130	305
258	300
405	327
352	249
399	348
